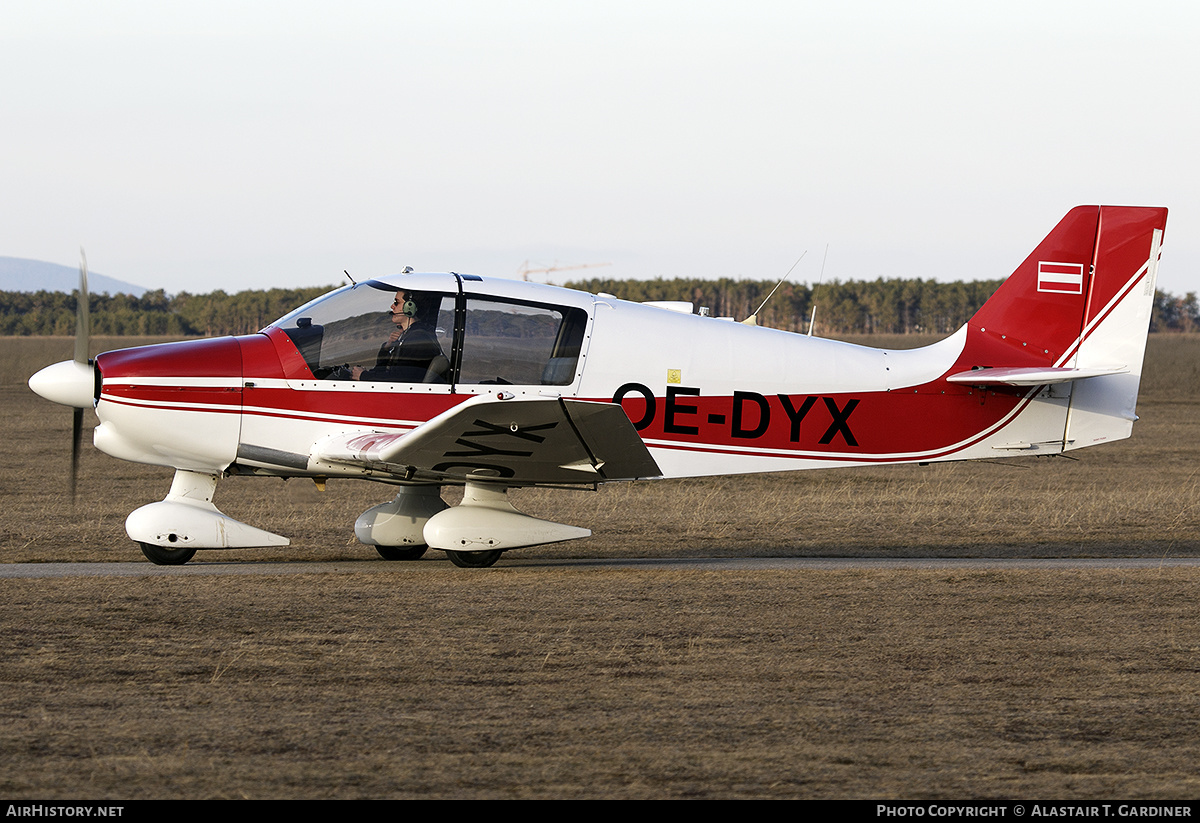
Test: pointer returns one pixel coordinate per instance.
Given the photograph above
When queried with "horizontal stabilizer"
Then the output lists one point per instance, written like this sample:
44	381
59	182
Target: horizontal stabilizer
1029	376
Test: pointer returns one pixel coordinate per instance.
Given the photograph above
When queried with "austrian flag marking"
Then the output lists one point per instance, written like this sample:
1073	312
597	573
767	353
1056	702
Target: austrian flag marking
1061	278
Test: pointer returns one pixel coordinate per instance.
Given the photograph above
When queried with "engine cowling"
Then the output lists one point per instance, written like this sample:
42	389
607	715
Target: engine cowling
174	404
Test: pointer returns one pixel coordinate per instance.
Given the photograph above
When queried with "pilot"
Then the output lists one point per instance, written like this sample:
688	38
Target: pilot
411	350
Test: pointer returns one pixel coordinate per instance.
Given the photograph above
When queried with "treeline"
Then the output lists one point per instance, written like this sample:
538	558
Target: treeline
853	307
155	312
857	306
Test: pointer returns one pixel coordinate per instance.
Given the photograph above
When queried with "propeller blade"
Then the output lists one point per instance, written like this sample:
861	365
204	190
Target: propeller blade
82	341
76	443
82	325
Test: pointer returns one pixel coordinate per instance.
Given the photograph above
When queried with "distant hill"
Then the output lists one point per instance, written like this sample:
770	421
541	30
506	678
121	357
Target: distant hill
19	274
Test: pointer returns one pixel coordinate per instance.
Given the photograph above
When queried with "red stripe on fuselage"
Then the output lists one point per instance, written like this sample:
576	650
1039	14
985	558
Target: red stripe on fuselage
934	419
363	407
349	408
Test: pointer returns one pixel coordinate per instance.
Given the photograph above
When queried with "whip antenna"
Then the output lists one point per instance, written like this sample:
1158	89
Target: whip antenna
752	320
812	318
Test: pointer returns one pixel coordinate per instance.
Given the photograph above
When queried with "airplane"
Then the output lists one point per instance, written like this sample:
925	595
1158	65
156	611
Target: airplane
493	384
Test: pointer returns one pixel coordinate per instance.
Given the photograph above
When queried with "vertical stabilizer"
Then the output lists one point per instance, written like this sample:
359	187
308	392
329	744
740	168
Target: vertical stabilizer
1034	319
1082	300
1080	303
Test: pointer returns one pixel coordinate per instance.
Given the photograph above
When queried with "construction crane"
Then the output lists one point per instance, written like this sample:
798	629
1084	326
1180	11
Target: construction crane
525	269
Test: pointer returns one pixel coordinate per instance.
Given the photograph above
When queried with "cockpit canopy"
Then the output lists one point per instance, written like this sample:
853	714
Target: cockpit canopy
483	338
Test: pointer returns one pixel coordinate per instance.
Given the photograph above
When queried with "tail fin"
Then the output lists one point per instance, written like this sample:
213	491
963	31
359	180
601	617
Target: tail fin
1082	302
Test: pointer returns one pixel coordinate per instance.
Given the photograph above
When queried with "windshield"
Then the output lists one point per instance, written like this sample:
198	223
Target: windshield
375	332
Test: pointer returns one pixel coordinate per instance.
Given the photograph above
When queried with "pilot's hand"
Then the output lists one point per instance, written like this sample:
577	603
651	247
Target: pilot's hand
356	372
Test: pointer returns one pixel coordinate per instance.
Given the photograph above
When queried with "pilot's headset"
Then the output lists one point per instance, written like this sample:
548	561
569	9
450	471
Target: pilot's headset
409	307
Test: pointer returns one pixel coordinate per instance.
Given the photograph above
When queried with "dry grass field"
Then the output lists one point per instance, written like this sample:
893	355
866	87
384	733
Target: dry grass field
551	681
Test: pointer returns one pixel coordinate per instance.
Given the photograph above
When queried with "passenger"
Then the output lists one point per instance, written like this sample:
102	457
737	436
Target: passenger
410	348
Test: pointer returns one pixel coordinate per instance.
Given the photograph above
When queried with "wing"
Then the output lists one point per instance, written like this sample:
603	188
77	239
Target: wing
497	437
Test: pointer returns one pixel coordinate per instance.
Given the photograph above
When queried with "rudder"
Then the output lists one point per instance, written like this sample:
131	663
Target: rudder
1116	322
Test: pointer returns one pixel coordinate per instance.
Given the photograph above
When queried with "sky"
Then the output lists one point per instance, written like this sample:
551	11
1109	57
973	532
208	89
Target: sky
246	145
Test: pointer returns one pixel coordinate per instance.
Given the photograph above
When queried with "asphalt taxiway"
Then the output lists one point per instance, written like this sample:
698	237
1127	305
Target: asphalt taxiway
437	564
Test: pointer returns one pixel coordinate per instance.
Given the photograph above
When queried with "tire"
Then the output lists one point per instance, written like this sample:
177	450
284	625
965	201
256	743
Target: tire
401	552
166	557
474	560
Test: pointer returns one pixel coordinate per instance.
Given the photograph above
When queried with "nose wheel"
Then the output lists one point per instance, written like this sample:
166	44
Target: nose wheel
166	557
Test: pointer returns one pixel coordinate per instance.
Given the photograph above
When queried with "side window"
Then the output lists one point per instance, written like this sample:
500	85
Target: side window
354	340
520	343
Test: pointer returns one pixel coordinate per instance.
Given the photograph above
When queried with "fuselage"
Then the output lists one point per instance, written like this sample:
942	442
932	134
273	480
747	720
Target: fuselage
706	395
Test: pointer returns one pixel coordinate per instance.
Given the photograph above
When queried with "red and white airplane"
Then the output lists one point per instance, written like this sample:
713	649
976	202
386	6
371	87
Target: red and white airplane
425	380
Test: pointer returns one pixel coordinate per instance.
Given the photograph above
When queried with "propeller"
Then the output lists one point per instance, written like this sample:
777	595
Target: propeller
82	340
72	382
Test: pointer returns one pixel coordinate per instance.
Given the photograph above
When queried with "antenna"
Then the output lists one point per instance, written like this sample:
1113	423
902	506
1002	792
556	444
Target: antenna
352	280
752	320
812	319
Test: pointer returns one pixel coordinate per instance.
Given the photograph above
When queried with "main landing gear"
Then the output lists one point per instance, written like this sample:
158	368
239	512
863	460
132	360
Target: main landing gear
474	560
473	534
402	552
